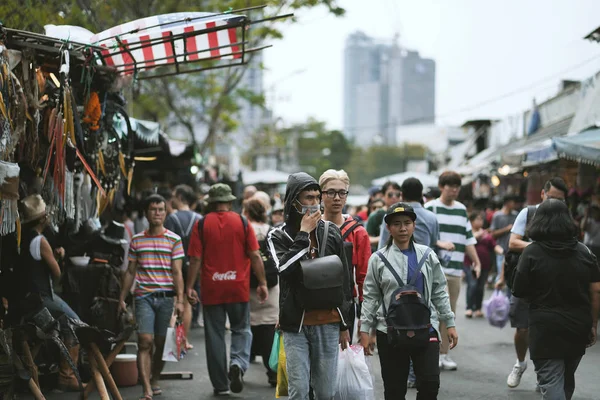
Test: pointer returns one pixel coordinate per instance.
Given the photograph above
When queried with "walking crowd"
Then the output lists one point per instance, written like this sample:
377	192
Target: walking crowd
386	278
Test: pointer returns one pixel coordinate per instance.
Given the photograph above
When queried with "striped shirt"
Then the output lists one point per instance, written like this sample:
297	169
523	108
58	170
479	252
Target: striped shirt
456	228
154	255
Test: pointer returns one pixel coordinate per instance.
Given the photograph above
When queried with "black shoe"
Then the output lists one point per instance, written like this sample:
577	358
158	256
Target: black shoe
236	378
272	378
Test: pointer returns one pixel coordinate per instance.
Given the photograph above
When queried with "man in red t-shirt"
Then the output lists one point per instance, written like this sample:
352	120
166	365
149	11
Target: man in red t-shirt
223	246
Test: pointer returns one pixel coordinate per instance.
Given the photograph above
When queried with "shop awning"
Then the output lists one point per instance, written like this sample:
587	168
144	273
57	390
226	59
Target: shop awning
536	149
583	147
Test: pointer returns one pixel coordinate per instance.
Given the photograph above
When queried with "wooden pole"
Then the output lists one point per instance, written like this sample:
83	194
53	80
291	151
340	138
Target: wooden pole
30	363
109	360
112	386
98	380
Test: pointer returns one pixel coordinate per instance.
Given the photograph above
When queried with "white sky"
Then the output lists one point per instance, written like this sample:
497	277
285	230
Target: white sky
483	49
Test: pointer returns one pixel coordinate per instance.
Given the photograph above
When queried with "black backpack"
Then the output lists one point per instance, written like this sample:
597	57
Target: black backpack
408	318
271	271
511	260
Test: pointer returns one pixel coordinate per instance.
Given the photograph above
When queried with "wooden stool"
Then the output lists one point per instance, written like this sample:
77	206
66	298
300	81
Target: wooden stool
100	365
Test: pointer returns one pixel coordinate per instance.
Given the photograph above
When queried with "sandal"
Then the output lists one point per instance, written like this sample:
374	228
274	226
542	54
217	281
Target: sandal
146	397
156	391
469	314
189	346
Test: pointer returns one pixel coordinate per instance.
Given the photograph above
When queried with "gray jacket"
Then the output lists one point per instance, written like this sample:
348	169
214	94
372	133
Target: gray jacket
379	279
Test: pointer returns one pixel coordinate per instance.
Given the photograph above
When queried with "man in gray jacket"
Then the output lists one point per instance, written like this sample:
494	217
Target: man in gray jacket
404	258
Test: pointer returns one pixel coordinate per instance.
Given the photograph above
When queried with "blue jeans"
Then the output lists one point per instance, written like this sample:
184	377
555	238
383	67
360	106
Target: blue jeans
312	361
241	340
57	307
556	377
153	314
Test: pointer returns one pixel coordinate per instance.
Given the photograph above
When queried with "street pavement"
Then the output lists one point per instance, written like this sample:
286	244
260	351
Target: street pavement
485	356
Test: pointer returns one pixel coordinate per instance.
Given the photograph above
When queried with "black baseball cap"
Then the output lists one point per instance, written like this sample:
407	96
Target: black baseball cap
400	209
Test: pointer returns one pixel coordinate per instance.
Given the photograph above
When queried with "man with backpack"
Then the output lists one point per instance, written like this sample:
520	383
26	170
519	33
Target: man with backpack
555	188
181	222
408	280
357	246
315	290
223	247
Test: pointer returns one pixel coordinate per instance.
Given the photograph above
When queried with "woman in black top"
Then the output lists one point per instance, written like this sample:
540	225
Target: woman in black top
561	280
39	265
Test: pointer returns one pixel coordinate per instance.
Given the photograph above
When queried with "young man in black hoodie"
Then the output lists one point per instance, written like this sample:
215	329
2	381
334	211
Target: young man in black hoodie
311	337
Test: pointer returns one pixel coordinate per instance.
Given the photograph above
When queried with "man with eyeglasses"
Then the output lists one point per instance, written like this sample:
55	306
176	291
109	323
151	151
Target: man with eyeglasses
555	188
334	187
391	195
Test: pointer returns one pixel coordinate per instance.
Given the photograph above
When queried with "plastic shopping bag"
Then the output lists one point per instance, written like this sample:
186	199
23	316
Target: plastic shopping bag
354	381
282	379
497	309
174	349
274	357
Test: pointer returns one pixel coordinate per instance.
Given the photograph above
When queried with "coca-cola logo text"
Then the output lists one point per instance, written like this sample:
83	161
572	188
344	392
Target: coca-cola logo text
225	276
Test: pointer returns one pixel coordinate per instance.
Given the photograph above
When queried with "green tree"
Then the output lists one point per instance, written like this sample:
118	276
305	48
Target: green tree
376	161
209	100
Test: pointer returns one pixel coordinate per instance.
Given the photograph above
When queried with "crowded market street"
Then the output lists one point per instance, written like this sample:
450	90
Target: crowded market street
485	355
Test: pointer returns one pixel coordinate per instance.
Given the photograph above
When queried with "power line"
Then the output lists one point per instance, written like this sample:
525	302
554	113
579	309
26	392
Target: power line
482	103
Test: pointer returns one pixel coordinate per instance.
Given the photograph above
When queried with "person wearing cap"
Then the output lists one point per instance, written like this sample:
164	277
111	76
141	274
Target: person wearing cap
39	267
404	255
223	247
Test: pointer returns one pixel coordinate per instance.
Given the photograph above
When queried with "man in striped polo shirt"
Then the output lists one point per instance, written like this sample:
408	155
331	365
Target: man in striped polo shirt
155	260
456	239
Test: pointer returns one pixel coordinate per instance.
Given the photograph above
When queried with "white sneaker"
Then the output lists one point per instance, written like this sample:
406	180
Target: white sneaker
514	379
447	363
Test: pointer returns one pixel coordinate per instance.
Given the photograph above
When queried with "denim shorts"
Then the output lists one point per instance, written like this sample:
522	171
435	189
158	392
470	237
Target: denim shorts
153	314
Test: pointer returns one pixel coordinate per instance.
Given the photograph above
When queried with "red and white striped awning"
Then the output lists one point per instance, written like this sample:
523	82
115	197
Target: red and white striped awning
172	39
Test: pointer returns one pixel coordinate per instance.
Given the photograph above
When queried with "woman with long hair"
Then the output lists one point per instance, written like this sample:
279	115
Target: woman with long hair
263	317
560	279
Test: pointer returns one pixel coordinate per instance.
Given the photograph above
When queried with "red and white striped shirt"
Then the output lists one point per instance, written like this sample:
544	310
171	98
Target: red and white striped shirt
154	255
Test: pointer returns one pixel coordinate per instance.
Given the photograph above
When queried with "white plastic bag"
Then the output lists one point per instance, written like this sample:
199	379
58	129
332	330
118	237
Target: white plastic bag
172	351
354	381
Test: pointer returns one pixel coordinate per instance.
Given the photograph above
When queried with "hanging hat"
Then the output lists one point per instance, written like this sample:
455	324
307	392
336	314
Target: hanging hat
220	193
114	233
34	208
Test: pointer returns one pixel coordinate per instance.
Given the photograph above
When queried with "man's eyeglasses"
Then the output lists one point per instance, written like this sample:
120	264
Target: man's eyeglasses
394	194
341	193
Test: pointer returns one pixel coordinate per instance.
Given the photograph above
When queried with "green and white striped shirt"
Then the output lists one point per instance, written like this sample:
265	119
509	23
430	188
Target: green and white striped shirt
456	228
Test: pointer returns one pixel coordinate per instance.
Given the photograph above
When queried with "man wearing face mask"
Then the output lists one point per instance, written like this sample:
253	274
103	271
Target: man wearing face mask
311	332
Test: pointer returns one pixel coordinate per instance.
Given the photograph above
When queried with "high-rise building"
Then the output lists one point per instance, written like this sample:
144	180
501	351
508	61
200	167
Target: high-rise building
385	86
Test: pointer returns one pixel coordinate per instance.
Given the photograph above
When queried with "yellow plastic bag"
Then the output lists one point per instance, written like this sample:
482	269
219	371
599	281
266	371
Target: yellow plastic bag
282	379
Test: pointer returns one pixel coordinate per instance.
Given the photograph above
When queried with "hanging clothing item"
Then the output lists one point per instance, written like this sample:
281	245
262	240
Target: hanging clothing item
9	196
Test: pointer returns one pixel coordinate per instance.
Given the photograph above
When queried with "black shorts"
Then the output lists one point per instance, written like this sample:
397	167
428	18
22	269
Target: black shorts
519	313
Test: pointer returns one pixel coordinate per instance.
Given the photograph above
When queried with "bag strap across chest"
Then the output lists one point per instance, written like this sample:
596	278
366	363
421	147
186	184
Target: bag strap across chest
324	240
401	284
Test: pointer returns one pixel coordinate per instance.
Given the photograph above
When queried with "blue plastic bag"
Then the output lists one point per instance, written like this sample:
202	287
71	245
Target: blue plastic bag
274	357
497	309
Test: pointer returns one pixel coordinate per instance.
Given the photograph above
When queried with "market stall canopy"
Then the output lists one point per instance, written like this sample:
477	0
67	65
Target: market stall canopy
584	147
426	179
269	177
